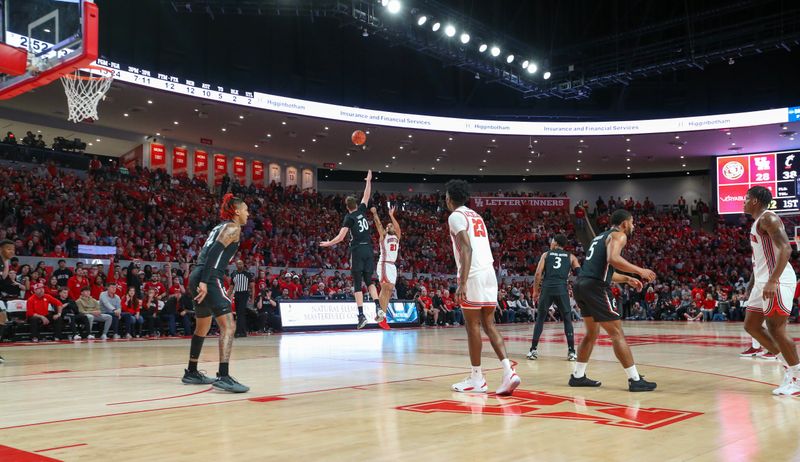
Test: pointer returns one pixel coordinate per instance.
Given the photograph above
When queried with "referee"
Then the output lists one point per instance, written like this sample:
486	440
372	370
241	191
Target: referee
243	287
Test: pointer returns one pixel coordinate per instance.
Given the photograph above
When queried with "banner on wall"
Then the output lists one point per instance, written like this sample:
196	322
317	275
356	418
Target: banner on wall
308	179
179	161
220	168
518	204
258	172
275	174
201	165
291	176
240	169
158	156
133	158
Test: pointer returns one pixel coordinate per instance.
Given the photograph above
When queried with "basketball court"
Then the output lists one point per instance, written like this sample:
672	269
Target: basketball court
375	395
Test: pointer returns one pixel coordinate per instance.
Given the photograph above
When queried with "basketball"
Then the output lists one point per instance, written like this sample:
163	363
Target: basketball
358	137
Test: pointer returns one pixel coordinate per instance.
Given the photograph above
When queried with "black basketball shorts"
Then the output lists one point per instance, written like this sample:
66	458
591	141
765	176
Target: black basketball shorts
216	302
595	300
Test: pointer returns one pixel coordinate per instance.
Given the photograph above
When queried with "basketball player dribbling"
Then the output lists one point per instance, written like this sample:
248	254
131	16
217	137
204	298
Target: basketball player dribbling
387	271
592	289
477	289
205	288
771	287
362	258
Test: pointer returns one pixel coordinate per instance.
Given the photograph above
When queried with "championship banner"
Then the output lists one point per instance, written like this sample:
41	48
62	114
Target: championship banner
179	161
518	204
201	165
158	157
240	169
258	172
220	168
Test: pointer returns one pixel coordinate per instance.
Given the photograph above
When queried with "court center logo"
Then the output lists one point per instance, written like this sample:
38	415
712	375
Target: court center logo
733	170
543	405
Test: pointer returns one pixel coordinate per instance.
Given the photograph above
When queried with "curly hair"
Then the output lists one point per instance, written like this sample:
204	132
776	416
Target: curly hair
761	194
458	190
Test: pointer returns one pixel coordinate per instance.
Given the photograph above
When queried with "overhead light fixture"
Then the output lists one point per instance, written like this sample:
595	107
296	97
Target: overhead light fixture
269	135
340	163
326	128
525	64
510	59
449	30
450	138
347	154
394	6
158	134
47	31
387	165
579	161
302	150
283	122
149	101
394	157
682	157
629	168
98	140
628	139
628	150
433	168
411	136
313	140
495	51
547	75
422	20
241	117
255	145
465	38
224	129
125	114
384	3
677	137
532	68
436	26
483	47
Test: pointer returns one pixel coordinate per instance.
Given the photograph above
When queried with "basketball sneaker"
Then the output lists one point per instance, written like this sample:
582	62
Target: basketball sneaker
533	354
572	356
787	379
750	352
76	337
384	325
362	321
229	384
196	378
2	360
582	382
380	316
767	355
90	337
641	385
510	383
471	386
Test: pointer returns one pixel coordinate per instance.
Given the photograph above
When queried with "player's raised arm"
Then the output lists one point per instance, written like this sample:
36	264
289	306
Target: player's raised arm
339	238
367	188
616	242
377	220
396	225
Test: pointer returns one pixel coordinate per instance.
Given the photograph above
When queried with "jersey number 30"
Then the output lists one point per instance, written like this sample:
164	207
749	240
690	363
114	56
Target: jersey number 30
363	225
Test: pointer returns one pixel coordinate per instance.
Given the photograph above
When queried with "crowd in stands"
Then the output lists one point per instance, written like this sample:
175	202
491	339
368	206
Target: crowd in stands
151	216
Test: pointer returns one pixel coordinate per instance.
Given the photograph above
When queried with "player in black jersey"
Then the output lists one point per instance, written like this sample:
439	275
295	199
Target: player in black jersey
362	258
205	287
555	265
593	295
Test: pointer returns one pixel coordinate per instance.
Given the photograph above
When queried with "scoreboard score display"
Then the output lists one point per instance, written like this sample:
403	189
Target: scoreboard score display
776	171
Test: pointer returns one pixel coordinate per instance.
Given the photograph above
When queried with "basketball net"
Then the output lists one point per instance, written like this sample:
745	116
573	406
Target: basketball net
84	89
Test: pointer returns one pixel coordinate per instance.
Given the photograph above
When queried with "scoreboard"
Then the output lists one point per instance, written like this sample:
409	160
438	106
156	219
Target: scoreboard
776	171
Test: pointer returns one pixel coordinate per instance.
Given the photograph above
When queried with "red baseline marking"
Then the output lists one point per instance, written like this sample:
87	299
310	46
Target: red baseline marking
61	447
266	399
17	455
161	399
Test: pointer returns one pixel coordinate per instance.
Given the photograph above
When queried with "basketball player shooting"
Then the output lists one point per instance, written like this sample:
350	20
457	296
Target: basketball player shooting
592	289
387	271
771	287
205	288
477	289
362	258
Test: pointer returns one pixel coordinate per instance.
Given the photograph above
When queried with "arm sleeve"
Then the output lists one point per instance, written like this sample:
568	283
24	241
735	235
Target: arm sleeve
457	222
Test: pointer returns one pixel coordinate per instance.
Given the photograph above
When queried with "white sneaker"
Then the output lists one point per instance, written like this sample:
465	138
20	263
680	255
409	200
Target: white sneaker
76	337
116	337
128	336
572	356
787	379
532	355
90	337
381	315
104	337
471	386
510	383
789	388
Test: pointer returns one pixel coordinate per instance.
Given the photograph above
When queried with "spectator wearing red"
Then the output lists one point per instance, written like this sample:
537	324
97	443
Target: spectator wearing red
155	284
37	311
76	283
131	313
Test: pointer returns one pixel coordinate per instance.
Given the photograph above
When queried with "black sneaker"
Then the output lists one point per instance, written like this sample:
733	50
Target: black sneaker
641	385
583	382
230	384
362	321
196	378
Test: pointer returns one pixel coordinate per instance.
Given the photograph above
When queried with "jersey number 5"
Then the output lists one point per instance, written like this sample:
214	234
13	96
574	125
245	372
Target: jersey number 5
479	227
590	253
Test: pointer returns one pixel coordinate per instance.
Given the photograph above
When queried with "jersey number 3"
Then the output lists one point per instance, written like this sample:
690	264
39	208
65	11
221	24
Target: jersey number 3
479	227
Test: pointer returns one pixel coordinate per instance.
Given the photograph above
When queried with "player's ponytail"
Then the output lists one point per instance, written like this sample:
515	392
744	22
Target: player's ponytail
227	209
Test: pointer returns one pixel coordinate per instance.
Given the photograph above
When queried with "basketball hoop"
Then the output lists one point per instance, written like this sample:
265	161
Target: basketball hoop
85	88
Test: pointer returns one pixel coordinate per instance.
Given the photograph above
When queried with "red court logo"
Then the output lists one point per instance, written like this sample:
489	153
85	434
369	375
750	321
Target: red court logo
542	405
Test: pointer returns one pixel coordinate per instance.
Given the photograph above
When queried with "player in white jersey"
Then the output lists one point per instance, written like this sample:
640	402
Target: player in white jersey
771	287
387	271
477	288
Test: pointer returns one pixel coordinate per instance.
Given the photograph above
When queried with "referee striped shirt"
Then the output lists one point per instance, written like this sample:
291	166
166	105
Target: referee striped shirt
241	281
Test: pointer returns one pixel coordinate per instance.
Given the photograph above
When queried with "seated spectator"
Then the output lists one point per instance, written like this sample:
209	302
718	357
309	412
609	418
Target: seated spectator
637	313
62	273
67	312
90	309
185	310
149	312
111	305
266	305
38	311
10	138
131	314
708	306
425	307
30	139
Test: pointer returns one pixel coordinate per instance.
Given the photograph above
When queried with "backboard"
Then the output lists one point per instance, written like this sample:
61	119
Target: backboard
56	36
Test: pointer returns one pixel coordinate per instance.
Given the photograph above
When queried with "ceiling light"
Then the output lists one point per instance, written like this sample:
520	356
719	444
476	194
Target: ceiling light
98	140
444	150
578	169
547	75
682	157
580	152
340	163
347	154
269	135
465	38
687	173
90	144
255	145
313	140
784	127
149	101
401	148
628	139
480	169
629	175
525	64
283	122
387	165
302	150
628	150
438	159
579	161
495	51
483	47
527	170
532	68
450	138
422	20
581	141
125	115
733	144
224	129
628	159
677	137
394	157
241	117
530	161
484	161
394	6
449	30
367	132
728	133
158	134
436	26
411	136
196	110
488	151
433	168
629	168
535	141
510	59
680	147
493	140
326	128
